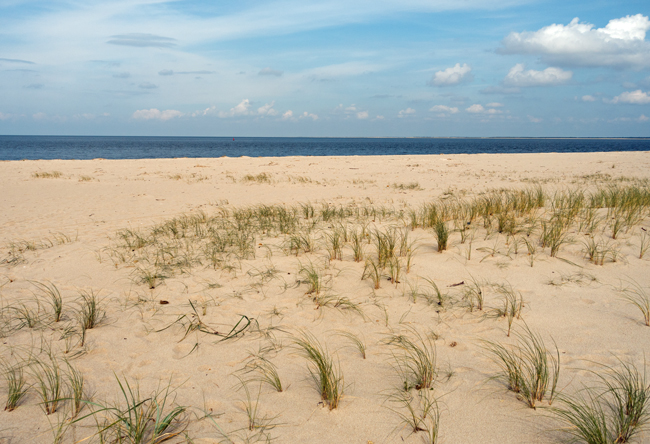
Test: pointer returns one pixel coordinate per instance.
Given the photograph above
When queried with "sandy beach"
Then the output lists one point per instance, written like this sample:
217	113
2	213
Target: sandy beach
211	278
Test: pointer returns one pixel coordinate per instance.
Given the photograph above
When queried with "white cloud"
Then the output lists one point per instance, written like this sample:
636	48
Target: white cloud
637	97
379	118
406	112
39	116
534	119
620	43
494	105
643	118
362	115
443	110
476	108
287	115
480	109
588	98
452	76
267	110
153	113
240	110
306	115
4	116
517	76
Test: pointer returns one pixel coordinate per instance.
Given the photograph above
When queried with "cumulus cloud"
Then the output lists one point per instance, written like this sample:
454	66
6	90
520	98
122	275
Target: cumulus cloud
270	72
405	112
287	115
518	76
452	76
242	109
306	115
156	114
637	97
620	43
4	116
588	98
139	40
480	109
267	110
443	110
643	118
361	115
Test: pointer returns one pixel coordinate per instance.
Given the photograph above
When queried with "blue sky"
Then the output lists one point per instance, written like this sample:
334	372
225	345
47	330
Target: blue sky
327	68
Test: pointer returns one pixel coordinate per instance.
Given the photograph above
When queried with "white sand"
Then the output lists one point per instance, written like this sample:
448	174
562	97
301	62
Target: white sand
587	319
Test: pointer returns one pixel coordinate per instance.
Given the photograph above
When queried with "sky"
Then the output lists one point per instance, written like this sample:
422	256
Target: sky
331	68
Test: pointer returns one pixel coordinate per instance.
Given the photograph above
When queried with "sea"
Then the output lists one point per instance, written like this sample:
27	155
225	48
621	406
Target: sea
117	147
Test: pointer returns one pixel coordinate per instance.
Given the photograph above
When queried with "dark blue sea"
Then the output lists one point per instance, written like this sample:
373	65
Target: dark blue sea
84	147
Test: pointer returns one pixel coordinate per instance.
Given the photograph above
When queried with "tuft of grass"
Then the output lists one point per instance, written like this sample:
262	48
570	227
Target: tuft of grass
406	186
640	298
258	178
326	374
528	368
474	294
54	298
47	174
442	235
415	360
91	312
313	277
357	342
267	372
78	395
50	384
16	385
615	412
645	244
513	304
140	420
373	271
419	413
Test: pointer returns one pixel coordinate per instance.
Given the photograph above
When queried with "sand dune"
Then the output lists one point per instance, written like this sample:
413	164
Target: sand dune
208	272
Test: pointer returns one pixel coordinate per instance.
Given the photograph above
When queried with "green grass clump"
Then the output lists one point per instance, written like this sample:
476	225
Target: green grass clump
528	368
415	360
50	384
419	413
640	298
326	374
138	419
91	312
16	385
614	412
442	234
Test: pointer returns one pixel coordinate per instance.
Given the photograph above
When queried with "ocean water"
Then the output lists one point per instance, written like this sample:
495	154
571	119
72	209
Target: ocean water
84	147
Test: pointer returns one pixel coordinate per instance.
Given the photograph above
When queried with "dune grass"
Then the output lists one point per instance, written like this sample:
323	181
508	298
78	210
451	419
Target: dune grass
17	386
415	359
638	296
326	374
528	368
418	412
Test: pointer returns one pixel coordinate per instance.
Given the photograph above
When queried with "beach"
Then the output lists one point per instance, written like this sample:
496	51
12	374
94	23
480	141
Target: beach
212	278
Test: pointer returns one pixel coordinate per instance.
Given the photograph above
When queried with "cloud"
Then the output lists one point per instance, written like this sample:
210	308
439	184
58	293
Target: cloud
534	119
4	116
620	43
27	62
361	115
517	76
476	108
480	109
306	115
142	40
406	112
122	75
267	110
147	85
443	110
269	72
287	115
588	98
643	118
166	72
155	114
39	116
242	109
494	105
452	76
637	97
